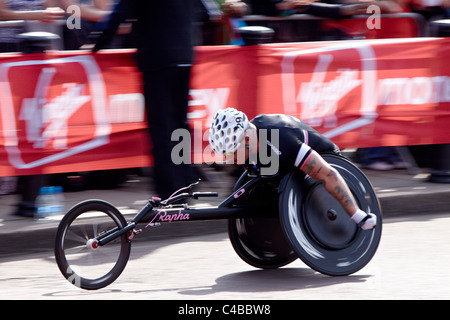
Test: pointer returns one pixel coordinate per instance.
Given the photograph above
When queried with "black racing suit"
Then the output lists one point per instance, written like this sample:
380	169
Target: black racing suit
286	142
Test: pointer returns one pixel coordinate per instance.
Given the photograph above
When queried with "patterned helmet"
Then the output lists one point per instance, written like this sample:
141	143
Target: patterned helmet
227	130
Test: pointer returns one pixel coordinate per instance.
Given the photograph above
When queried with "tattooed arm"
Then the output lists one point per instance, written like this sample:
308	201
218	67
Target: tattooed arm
316	167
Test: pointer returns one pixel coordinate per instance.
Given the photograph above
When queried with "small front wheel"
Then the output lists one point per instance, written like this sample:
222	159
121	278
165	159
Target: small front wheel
80	258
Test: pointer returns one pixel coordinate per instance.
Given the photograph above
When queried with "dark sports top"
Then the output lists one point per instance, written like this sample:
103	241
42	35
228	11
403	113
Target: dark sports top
163	31
286	142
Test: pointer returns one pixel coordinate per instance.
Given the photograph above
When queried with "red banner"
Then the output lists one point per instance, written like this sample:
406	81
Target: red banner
76	111
68	112
364	93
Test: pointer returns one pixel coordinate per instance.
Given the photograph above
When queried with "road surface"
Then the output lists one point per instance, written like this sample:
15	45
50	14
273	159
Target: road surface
412	262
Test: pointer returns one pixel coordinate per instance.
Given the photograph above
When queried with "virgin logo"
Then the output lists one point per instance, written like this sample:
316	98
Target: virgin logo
338	72
46	120
40	109
320	99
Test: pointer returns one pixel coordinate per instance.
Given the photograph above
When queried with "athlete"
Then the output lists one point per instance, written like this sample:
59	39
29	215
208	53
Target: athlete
293	142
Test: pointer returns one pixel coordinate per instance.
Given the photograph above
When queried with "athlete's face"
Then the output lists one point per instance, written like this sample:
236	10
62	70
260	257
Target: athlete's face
240	156
247	148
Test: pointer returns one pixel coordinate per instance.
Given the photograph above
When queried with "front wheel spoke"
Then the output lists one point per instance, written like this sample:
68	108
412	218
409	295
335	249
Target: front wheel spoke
75	250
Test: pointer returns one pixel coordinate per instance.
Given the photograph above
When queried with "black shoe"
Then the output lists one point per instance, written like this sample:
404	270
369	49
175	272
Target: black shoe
25	210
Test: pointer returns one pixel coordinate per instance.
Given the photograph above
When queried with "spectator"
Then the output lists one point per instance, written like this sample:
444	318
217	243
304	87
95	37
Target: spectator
380	158
23	10
207	20
31	10
164	55
8	185
91	12
233	10
430	9
216	20
391	6
293	30
316	8
386	6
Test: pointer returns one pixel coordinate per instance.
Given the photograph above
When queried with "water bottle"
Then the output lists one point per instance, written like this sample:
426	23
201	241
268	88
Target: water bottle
49	202
43	204
59	201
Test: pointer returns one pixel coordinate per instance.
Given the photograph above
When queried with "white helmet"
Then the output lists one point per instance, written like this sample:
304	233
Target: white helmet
227	130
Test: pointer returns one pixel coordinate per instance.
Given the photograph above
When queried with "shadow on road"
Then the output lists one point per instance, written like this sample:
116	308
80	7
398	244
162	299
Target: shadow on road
284	279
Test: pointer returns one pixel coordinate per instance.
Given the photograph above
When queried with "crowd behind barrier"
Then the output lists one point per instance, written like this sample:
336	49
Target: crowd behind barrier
213	29
296	28
217	28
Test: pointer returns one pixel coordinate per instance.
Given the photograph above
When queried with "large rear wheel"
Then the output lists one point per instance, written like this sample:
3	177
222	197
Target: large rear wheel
319	229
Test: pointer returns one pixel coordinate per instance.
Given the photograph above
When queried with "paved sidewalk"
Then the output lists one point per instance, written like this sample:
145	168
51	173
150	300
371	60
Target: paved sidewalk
401	194
404	194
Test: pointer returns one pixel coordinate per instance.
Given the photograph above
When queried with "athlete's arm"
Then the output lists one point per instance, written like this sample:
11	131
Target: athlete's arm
316	167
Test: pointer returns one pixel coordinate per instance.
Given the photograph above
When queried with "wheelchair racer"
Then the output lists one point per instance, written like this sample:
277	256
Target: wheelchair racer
294	143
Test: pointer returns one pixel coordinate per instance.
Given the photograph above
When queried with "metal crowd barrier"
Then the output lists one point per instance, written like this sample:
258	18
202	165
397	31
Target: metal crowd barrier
30	26
282	25
312	25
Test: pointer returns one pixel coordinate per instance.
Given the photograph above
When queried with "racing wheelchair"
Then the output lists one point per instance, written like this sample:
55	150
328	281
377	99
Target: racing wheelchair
272	221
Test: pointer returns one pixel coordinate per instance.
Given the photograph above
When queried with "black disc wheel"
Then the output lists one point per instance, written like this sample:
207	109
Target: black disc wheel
80	258
318	228
261	242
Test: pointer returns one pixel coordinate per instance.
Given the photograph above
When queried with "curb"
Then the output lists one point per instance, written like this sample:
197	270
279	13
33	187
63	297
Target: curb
409	204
